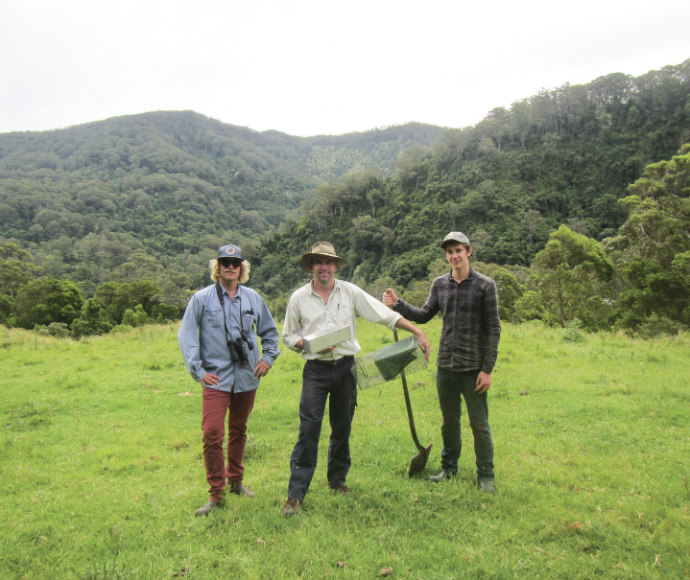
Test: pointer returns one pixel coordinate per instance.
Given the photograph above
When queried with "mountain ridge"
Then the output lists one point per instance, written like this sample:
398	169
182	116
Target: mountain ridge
174	185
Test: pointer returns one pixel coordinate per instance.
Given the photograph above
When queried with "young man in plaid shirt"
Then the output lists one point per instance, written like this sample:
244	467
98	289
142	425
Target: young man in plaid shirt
468	302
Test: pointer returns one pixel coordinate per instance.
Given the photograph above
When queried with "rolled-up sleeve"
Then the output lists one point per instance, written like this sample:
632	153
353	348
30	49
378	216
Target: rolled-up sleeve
292	327
373	310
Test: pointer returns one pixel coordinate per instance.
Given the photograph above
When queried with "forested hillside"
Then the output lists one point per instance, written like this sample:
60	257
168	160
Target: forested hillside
543	190
126	212
564	156
84	199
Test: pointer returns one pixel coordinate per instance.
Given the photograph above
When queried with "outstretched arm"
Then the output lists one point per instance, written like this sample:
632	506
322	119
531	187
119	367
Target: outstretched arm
423	340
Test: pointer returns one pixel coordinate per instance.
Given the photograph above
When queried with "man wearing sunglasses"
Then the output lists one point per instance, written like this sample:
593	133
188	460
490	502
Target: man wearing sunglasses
218	339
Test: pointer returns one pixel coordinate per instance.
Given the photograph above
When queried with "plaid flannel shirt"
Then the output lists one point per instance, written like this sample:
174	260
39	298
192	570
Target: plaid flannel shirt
471	327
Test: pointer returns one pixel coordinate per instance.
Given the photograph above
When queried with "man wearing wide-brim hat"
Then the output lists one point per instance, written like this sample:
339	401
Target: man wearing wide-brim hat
318	308
320	250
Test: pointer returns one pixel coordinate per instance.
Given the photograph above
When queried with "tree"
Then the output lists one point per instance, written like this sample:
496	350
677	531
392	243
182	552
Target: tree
368	234
532	220
93	320
115	298
375	198
666	177
140	292
408	162
139	266
47	300
135	316
655	230
572	274
17	267
651	246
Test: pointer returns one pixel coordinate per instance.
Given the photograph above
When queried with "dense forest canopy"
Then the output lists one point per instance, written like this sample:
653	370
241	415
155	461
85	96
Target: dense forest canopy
170	185
564	156
108	206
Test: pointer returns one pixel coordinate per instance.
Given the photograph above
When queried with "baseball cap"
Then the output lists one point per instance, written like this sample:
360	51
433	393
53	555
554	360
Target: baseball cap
230	251
457	237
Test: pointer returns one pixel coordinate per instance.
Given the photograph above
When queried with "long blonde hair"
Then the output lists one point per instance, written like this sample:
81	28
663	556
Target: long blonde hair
244	271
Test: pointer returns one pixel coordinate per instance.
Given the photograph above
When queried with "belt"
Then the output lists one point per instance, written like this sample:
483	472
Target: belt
332	363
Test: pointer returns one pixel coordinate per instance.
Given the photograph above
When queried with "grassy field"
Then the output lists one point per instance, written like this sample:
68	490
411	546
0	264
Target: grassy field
101	468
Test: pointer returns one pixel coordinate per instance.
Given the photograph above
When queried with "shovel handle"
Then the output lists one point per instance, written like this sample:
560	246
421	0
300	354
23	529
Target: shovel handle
408	403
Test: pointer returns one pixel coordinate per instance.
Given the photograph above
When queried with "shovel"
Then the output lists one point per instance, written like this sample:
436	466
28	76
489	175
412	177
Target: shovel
418	461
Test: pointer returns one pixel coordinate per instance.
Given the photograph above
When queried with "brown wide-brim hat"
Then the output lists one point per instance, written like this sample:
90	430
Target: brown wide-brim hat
321	250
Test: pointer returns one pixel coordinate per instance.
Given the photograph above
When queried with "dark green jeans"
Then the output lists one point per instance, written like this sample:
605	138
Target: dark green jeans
452	387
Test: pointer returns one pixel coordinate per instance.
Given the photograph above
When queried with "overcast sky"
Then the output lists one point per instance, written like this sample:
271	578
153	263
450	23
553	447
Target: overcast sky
308	67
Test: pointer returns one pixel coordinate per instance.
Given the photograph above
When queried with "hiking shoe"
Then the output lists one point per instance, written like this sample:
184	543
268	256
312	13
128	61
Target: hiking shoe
291	507
204	510
340	489
442	476
239	489
487	485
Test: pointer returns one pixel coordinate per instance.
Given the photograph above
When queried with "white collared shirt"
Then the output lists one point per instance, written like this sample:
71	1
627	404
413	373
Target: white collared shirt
308	314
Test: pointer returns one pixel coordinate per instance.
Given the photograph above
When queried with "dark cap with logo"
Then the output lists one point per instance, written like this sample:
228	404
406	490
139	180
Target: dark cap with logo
230	251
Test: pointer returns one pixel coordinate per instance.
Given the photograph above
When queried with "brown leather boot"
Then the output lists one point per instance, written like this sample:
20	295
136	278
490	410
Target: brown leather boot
291	507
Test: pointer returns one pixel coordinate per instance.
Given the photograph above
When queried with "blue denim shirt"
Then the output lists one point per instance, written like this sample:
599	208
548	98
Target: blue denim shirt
203	339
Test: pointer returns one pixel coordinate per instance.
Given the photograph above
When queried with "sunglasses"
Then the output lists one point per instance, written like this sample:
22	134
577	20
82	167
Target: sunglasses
227	262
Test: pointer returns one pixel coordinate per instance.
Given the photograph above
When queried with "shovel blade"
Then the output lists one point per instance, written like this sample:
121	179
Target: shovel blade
418	462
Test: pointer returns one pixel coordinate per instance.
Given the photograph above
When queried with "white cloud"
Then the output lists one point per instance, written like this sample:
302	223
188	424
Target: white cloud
308	66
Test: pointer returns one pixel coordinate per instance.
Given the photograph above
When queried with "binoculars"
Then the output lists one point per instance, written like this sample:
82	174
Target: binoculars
238	350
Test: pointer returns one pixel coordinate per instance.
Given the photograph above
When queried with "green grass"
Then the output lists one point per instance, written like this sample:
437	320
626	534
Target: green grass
101	468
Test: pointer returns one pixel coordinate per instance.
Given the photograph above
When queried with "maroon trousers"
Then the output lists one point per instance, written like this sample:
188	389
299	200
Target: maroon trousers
216	404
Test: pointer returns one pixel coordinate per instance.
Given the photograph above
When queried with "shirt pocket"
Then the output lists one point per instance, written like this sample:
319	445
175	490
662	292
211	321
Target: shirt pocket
343	313
248	321
214	316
